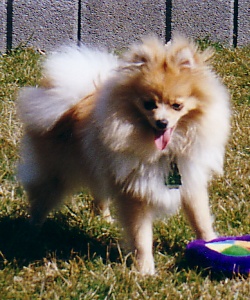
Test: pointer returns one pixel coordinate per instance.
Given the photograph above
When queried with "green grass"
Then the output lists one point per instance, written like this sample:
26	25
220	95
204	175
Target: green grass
78	256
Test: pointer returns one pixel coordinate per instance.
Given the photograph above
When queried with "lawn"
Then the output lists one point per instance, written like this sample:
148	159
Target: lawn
79	256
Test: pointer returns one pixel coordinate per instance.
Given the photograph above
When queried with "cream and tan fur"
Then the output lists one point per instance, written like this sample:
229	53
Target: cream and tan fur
116	125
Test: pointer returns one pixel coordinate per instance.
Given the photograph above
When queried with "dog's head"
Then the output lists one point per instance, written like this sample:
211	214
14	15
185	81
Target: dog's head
167	82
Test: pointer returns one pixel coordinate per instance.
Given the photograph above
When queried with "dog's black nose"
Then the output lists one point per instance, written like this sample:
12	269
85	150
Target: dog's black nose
162	124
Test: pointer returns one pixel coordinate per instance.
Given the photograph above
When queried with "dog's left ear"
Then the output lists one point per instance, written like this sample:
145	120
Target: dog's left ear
191	57
185	59
184	54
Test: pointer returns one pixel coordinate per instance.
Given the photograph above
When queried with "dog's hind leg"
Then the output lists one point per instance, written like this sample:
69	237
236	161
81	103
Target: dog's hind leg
101	207
137	218
43	197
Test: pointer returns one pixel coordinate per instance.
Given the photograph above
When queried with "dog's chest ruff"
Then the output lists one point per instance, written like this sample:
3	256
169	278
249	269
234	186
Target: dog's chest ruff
157	183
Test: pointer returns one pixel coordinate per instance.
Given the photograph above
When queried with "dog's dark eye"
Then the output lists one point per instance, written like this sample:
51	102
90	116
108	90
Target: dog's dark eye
177	106
150	105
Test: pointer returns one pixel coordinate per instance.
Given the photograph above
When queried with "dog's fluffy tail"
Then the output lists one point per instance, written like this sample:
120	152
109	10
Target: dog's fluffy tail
70	75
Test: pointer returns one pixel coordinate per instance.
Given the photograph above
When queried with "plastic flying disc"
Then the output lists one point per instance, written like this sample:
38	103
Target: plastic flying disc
224	254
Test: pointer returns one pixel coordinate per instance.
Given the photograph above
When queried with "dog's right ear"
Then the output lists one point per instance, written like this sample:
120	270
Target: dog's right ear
141	54
134	60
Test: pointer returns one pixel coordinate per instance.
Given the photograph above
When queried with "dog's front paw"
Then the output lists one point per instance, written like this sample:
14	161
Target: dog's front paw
209	236
145	265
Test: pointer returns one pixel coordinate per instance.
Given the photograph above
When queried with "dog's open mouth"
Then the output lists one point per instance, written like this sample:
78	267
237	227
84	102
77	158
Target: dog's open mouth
162	138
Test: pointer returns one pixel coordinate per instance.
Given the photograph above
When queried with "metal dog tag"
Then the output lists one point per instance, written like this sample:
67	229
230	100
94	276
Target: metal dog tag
173	181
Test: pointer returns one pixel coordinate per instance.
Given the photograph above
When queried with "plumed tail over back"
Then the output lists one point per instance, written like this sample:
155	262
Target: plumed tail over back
68	76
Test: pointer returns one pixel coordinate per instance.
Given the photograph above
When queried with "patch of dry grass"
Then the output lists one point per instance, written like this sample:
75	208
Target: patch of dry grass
77	256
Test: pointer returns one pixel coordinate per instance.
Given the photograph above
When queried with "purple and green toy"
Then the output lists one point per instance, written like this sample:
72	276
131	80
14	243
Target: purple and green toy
225	254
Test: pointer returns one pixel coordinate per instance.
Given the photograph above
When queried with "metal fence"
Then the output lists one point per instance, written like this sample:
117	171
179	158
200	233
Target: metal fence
46	24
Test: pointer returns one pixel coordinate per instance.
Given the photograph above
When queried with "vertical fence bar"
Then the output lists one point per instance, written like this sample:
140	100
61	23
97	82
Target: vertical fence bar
79	21
9	25
235	29
168	20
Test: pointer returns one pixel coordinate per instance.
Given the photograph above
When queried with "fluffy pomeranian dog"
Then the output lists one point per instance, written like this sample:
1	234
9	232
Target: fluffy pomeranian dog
146	131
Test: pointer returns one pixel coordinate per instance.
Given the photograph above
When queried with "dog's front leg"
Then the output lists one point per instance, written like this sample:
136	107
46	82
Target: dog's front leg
195	203
137	217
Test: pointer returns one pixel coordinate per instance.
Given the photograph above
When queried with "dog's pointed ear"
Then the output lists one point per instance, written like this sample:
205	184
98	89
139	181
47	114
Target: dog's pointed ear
135	60
142	54
184	54
185	59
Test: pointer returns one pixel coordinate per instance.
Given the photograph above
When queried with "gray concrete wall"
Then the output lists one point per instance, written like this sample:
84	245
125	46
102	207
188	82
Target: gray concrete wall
114	24
205	19
243	34
3	24
46	24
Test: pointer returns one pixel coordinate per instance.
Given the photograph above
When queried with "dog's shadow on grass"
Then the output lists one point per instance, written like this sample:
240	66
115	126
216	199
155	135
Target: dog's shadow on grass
23	244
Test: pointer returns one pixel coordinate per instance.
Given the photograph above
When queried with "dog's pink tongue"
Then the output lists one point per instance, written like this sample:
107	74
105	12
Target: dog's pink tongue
162	138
